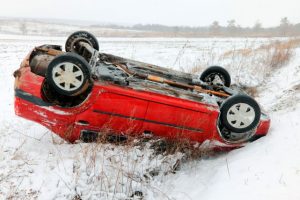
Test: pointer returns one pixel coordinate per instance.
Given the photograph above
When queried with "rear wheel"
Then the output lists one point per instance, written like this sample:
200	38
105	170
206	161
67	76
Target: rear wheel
80	36
240	113
216	75
69	74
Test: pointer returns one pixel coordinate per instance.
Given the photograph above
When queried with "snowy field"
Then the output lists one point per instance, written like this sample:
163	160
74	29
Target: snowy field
35	164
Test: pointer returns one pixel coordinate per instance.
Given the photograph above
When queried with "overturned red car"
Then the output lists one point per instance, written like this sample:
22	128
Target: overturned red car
81	94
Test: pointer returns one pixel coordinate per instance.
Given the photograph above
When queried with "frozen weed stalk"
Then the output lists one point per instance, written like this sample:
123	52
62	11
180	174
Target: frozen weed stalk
255	61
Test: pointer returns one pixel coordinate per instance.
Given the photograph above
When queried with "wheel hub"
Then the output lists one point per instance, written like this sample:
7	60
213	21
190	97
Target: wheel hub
240	115
67	76
215	79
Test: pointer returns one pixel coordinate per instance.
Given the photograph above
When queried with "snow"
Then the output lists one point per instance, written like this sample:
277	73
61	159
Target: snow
34	163
266	169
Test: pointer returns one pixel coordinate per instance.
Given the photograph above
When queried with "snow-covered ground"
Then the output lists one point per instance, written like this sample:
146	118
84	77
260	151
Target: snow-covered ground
34	163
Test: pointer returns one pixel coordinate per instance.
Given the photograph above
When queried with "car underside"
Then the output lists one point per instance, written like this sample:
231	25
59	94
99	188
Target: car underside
83	94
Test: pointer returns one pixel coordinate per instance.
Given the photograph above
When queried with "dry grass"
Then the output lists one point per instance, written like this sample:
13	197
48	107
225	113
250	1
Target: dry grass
280	52
111	168
253	62
190	151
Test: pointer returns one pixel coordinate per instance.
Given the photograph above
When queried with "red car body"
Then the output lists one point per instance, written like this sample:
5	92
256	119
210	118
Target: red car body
121	110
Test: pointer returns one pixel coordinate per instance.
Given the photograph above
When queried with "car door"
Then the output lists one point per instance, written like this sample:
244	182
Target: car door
177	121
120	113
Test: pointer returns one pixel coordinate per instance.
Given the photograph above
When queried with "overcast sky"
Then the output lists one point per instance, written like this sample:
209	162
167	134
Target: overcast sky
167	12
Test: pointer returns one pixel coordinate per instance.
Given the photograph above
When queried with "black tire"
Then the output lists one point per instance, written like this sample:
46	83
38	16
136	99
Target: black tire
69	74
240	113
209	74
80	36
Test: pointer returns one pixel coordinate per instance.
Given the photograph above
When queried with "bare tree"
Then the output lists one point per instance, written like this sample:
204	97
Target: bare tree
231	23
257	26
23	28
284	26
231	26
215	28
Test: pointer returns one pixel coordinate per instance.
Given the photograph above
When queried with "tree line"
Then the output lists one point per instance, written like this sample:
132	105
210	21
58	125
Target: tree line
30	27
284	29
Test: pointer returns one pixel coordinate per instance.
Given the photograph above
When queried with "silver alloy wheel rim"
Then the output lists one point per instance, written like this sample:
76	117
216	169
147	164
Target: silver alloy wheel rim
67	76
240	115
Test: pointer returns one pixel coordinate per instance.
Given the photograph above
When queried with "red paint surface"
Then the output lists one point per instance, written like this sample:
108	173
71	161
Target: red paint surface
121	110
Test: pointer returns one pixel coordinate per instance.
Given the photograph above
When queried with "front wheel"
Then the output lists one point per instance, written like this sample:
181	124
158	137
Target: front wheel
69	74
240	113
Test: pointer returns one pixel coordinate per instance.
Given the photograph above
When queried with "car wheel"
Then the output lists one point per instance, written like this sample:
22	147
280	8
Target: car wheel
240	113
80	36
69	74
216	75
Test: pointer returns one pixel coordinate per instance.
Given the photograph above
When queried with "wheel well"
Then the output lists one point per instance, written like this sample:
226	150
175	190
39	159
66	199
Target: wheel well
50	95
